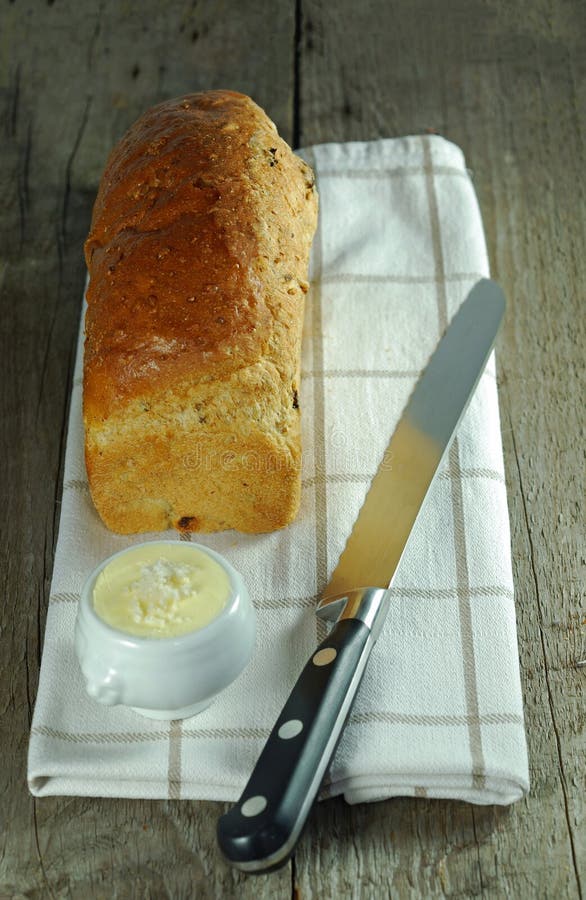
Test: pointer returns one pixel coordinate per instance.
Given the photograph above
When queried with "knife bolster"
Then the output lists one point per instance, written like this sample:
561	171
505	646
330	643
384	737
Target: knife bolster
369	605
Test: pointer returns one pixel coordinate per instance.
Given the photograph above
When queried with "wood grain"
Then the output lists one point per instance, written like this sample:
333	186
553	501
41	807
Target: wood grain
508	83
72	78
508	86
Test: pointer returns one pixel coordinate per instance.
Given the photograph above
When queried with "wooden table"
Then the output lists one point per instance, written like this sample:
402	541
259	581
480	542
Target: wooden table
506	81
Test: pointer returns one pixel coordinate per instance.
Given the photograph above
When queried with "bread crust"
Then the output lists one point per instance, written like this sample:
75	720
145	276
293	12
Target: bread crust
198	255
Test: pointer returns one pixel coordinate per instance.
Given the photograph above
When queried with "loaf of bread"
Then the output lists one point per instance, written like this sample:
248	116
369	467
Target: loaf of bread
198	255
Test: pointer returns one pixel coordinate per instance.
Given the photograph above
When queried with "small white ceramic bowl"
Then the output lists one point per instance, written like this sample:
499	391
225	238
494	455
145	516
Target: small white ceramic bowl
165	678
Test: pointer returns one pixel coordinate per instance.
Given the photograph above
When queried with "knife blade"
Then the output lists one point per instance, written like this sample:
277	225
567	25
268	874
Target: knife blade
260	832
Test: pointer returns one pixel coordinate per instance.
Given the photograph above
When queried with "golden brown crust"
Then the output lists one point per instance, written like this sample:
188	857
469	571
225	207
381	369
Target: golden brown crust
198	257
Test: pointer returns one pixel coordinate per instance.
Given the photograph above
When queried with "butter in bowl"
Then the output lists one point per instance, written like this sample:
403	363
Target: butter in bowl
163	627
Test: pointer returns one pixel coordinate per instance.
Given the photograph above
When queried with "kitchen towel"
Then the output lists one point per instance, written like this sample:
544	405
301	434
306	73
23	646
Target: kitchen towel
439	712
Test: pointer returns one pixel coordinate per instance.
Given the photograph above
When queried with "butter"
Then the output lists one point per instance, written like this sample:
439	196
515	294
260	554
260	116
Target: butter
161	591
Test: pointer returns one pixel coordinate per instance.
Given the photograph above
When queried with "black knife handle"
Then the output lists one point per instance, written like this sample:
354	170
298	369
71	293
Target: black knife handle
261	831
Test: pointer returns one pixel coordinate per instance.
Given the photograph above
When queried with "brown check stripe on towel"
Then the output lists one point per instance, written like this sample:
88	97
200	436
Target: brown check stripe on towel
439	712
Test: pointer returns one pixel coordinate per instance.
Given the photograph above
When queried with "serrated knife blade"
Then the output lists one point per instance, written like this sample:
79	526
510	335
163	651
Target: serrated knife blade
260	832
419	443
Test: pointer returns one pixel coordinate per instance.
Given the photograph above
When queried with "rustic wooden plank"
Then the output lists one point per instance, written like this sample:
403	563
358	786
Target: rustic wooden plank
506	82
72	78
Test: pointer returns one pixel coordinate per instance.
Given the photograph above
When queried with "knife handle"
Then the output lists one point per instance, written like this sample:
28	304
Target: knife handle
260	832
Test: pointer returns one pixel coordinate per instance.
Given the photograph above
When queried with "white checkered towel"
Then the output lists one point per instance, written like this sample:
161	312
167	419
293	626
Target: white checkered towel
439	712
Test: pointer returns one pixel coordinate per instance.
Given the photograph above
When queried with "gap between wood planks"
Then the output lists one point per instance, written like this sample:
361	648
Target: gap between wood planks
296	136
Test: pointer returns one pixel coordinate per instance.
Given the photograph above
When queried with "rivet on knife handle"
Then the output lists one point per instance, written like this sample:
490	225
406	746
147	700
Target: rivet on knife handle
260	832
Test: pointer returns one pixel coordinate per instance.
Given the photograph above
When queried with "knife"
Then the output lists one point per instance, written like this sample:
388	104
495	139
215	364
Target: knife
260	832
